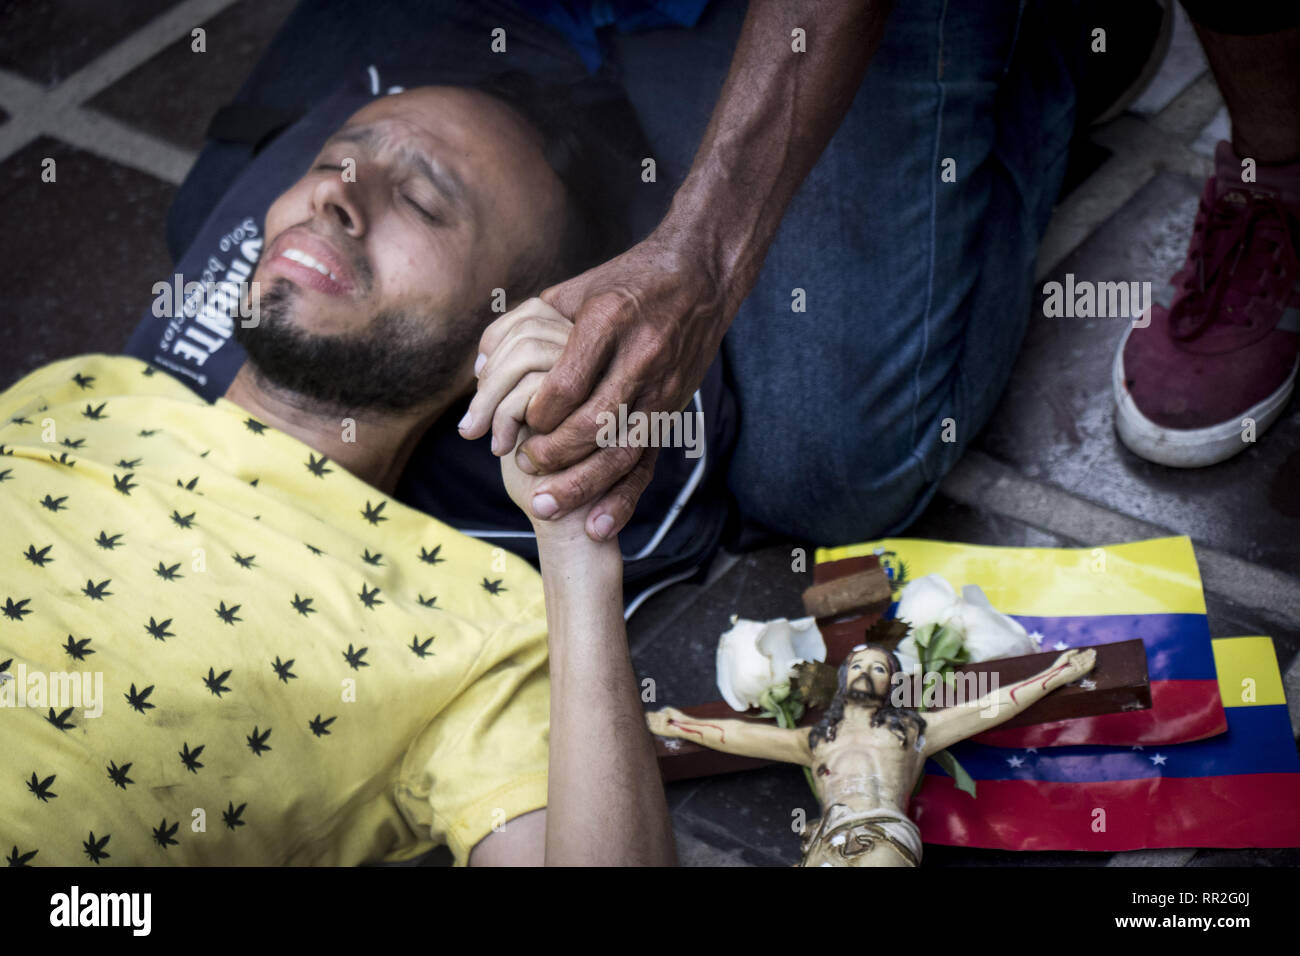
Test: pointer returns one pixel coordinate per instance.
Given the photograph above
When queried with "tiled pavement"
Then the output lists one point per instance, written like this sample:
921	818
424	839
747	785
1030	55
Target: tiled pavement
114	94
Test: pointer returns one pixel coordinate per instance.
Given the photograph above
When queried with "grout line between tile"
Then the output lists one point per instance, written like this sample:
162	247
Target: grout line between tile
135	49
1141	148
58	112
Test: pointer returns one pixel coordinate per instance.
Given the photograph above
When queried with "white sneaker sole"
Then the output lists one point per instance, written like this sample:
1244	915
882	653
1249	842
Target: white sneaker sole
1189	447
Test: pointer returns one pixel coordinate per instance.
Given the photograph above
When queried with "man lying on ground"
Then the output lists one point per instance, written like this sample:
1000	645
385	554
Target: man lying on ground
225	641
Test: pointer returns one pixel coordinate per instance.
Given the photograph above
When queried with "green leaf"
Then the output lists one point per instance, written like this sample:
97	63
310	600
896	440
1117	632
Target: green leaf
946	643
960	778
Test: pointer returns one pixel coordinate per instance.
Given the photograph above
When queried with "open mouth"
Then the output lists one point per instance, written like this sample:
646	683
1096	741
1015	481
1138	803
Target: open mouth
311	262
297	255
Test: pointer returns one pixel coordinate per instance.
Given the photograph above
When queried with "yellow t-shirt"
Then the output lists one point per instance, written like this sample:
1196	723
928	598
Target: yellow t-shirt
295	668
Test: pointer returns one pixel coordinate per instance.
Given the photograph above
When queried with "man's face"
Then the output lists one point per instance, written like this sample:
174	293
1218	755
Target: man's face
868	675
378	276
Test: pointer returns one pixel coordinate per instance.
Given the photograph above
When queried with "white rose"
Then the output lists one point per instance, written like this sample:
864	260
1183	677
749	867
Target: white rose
986	633
757	655
927	600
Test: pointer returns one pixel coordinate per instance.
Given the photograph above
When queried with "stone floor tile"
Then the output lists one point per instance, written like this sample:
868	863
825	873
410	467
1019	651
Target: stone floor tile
755	808
1055	421
175	94
49	40
84	254
681	657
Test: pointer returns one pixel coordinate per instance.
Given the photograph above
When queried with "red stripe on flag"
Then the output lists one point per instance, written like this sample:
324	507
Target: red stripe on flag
1181	711
1245	810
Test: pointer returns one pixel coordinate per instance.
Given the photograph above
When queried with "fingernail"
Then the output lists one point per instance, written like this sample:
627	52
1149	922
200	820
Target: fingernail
479	363
525	464
465	422
604	526
544	506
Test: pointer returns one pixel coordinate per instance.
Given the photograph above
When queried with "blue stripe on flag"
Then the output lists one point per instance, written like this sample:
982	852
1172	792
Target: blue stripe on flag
1258	740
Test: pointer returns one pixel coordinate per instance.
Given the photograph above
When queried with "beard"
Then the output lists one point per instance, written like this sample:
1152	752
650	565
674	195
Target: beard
862	693
396	362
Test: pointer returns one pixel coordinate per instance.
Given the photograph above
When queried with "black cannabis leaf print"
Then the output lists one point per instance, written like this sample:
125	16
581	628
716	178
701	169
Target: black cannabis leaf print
317	466
78	650
158	629
42	788
320	727
217	683
61	720
95	848
15	611
282	670
17	859
369	597
139	700
257	742
191	757
119	774
162	834
39	558
386	599
95	591
231	815
227	614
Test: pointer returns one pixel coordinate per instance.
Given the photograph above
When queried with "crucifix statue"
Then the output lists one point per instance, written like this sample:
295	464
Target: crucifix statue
867	753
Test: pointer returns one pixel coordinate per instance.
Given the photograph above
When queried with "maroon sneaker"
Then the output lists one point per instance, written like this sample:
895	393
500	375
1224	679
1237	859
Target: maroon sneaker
1217	362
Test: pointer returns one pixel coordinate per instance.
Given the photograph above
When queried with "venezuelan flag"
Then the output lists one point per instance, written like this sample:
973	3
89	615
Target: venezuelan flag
1238	789
1075	597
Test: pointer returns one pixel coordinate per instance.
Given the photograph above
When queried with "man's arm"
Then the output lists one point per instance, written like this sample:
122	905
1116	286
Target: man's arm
649	322
605	799
606	802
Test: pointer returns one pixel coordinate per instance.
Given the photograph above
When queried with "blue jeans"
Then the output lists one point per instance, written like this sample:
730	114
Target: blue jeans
917	290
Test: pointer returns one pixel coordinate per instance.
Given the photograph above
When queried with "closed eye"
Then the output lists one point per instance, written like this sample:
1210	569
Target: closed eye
422	211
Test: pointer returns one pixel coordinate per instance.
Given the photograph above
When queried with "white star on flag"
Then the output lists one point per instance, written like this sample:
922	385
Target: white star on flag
1061	646
1137	746
1158	759
1031	750
1014	761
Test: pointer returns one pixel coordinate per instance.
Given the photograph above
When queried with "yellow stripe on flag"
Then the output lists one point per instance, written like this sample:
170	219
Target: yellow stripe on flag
1158	576
1248	671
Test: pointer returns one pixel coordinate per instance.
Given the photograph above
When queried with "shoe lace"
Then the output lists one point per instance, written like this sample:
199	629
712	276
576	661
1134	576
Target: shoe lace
1229	237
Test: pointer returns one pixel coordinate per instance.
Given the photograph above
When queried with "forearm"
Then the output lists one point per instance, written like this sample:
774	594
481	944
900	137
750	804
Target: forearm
606	801
997	707
741	737
777	111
